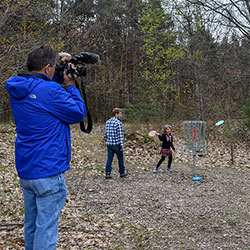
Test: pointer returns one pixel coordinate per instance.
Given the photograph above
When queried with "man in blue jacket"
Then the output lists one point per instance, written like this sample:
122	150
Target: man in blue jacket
43	110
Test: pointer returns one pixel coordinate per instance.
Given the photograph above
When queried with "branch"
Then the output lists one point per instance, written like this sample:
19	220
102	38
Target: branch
219	8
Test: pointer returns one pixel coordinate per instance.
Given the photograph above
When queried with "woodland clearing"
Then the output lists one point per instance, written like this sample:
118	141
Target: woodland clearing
144	210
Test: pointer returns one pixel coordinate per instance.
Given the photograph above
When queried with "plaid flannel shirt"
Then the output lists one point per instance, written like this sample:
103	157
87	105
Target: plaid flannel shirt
114	132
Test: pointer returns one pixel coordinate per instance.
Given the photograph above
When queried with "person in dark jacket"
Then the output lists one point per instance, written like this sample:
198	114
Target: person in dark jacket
167	144
43	110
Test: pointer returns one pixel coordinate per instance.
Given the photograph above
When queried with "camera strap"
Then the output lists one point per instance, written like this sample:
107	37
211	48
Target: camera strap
90	125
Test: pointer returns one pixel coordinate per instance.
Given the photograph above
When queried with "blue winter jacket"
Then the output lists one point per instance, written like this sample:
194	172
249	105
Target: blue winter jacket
42	111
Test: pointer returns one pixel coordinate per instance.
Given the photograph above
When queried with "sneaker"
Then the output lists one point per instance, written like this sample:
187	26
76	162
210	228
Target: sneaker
108	176
169	169
155	170
125	174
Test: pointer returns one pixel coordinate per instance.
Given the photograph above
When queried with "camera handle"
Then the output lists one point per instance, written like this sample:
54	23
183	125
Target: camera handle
82	126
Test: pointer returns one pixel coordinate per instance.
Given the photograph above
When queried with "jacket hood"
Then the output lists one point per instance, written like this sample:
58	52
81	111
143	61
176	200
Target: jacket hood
19	86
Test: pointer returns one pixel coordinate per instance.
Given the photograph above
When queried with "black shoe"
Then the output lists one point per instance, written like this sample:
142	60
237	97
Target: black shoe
108	176
125	174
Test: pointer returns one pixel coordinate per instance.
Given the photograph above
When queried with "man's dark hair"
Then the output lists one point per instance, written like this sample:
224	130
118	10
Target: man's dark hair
39	57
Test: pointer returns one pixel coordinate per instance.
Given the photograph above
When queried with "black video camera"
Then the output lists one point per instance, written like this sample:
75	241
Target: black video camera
82	59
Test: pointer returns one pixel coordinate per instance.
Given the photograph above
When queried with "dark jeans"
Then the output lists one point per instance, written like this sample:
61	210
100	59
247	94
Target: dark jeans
114	149
170	157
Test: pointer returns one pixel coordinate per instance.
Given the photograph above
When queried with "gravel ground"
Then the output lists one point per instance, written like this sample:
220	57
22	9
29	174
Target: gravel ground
144	211
176	212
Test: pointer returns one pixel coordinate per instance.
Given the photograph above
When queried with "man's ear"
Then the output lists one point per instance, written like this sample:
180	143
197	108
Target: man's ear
46	69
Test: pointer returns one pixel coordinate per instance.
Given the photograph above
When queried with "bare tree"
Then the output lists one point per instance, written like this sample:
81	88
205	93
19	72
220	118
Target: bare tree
230	13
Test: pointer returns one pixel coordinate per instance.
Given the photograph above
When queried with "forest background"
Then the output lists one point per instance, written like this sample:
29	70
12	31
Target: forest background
160	60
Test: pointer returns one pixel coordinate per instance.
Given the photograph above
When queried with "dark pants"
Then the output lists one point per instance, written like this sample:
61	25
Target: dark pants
114	149
170	157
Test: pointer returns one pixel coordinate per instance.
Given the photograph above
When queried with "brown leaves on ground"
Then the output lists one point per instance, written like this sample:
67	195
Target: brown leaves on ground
143	211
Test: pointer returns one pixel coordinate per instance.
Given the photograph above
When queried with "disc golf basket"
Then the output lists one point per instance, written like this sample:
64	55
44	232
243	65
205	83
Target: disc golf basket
194	136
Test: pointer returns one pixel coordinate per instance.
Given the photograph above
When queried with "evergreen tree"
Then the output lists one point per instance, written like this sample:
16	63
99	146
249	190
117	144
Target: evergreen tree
247	112
160	56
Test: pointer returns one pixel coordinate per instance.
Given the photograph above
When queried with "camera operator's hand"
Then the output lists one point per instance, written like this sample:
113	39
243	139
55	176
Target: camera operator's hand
69	79
64	57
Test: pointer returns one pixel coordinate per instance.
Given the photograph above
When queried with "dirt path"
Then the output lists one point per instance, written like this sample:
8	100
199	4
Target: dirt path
144	211
176	212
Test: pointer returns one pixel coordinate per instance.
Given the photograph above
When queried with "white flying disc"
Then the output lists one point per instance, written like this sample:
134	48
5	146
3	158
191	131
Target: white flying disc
219	123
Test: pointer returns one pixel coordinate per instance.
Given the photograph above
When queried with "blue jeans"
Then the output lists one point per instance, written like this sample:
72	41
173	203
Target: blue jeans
114	149
43	201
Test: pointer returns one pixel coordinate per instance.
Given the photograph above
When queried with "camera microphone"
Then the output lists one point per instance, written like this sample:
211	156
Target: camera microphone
85	57
89	57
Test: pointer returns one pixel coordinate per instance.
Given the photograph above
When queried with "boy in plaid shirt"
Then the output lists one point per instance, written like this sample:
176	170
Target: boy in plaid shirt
115	142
